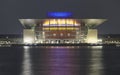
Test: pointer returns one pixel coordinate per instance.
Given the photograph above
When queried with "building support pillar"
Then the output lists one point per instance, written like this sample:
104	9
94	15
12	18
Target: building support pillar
28	36
92	36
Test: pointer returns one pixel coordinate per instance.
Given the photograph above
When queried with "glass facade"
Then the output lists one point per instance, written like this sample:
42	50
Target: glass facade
60	30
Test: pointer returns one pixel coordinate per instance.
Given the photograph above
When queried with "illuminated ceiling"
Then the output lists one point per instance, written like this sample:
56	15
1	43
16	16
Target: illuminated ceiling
88	22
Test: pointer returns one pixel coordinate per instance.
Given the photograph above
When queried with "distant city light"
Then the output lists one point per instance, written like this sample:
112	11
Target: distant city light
59	14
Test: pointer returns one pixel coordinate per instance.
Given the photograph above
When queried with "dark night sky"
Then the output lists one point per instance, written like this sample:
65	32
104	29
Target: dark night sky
12	10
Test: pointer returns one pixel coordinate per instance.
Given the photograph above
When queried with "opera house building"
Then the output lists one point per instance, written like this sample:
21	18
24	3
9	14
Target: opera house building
60	30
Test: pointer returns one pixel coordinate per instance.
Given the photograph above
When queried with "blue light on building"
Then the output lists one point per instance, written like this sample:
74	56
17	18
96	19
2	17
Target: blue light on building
59	14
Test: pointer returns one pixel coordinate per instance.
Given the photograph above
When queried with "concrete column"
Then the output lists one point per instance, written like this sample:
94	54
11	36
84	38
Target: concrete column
92	36
28	36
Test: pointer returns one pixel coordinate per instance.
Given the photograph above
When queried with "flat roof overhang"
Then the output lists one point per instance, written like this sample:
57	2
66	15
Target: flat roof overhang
91	23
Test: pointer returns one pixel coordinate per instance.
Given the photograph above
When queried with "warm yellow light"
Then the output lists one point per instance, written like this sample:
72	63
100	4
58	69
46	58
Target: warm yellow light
61	22
53	21
60	28
92	40
70	21
46	23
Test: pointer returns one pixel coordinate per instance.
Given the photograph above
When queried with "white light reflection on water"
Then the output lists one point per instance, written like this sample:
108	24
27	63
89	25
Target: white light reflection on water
69	47
60	61
26	67
96	64
59	47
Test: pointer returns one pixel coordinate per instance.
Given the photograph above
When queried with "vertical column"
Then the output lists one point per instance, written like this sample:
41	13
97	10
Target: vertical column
92	36
29	36
41	30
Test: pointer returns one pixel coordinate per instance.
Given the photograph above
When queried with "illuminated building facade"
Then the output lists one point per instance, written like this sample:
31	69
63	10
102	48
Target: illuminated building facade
60	30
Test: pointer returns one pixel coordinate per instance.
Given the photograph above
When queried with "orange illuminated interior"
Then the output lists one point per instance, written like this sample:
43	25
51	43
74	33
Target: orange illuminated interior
61	22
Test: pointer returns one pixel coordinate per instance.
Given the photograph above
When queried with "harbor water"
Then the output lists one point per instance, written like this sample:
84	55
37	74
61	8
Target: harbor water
60	60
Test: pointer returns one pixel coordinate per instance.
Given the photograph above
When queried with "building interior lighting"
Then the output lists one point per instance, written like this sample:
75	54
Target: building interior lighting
60	28
61	22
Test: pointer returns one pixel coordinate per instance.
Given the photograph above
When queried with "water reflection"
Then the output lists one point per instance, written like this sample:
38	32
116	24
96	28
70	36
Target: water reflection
92	60
60	60
26	67
96	61
69	47
68	60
